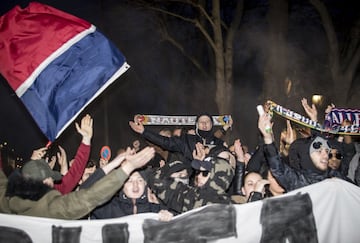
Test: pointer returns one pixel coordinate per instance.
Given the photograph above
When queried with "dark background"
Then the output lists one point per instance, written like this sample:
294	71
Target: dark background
162	81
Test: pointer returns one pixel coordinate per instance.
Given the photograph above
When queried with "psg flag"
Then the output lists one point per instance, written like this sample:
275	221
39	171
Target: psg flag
56	63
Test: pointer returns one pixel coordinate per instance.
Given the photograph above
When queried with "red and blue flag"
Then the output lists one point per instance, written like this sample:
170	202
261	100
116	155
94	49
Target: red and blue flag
56	63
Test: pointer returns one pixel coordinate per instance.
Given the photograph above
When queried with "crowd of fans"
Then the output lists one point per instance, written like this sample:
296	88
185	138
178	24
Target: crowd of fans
176	171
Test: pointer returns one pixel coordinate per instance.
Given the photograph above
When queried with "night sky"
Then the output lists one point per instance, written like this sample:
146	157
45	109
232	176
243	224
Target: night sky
162	81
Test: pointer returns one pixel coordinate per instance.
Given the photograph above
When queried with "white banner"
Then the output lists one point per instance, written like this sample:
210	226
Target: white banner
335	208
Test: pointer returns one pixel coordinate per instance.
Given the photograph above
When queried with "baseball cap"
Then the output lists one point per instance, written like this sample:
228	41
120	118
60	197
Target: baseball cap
39	170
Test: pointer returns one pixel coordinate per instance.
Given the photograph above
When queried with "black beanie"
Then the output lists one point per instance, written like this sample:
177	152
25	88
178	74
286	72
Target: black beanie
172	167
334	144
205	114
299	155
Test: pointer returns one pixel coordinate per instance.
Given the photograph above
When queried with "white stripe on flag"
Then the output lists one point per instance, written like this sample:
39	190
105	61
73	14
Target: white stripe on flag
30	80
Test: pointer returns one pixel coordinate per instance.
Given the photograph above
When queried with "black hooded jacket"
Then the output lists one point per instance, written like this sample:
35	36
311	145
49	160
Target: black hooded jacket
120	205
291	178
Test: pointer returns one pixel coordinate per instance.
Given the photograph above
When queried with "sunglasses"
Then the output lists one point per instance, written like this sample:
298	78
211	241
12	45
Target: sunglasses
337	155
319	145
203	172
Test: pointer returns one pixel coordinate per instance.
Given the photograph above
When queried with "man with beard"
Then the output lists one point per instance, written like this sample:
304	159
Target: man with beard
315	159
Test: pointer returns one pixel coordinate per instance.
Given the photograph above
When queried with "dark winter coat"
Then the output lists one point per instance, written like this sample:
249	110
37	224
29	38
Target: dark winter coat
119	205
184	144
291	178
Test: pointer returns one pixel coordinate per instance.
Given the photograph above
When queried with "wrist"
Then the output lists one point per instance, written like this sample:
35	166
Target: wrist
226	127
86	140
127	167
268	139
240	158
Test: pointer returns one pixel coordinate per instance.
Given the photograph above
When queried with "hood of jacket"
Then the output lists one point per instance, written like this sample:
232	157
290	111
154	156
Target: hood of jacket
221	175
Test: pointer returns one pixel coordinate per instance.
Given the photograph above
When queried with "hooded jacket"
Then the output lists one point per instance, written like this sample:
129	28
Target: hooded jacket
181	198
37	200
292	178
119	205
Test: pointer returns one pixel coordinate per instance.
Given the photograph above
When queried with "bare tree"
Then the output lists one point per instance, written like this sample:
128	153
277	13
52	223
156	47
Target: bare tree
218	34
344	60
275	70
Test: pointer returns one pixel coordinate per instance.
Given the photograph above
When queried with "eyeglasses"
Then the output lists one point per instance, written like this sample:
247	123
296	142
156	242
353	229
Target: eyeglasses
203	172
337	155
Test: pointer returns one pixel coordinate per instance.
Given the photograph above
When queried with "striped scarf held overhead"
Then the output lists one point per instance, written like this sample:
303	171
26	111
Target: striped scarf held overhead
333	119
219	120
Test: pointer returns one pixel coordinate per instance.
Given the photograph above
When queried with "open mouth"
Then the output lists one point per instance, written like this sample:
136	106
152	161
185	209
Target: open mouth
324	162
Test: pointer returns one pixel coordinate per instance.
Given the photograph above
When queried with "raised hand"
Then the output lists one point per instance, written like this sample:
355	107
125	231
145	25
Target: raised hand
310	111
290	135
329	108
38	153
136	125
263	123
239	152
85	129
137	160
62	160
228	124
199	152
52	161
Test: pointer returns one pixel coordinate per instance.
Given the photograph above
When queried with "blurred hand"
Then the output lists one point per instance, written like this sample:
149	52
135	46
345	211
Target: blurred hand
38	153
199	152
86	129
228	124
329	108
137	125
290	136
52	161
310	111
239	152
165	215
151	197
263	123
62	160
136	145
137	160
260	185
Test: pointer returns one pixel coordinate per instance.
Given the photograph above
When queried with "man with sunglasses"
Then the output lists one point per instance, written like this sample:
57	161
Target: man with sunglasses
335	157
316	148
340	155
201	171
212	177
